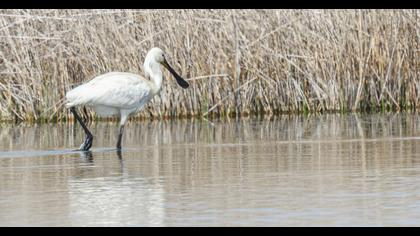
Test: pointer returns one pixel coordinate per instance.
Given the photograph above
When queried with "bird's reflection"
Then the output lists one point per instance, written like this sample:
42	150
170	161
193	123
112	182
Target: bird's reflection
119	155
87	156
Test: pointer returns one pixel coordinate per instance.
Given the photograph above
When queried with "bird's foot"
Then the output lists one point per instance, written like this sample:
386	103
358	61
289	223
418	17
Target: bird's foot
87	143
119	144
119	154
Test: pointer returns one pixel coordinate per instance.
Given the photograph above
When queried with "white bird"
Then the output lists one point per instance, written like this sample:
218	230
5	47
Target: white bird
120	93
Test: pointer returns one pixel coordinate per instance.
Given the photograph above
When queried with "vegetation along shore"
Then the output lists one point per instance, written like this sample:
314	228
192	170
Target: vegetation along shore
237	62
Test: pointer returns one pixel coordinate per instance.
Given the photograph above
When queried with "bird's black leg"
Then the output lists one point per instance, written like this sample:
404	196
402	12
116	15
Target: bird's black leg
120	137
89	137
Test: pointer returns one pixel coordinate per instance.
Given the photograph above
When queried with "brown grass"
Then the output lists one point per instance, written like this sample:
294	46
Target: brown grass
237	61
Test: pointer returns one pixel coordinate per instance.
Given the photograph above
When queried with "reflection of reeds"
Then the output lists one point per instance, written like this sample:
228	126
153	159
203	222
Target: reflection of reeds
286	129
242	61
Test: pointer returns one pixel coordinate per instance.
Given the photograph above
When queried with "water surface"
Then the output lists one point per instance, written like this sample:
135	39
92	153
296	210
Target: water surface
325	170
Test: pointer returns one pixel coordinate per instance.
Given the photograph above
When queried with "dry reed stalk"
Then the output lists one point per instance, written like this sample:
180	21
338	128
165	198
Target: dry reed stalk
238	62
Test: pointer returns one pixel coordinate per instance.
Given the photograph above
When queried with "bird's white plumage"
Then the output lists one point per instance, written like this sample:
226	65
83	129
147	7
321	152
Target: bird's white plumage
120	93
110	92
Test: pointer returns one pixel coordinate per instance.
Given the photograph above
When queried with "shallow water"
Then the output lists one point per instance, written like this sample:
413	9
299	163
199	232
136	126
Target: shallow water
327	170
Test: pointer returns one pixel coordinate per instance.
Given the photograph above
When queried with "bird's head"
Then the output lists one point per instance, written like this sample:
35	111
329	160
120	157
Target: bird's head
157	55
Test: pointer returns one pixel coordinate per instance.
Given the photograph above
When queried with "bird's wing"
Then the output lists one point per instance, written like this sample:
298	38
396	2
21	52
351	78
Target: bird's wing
120	90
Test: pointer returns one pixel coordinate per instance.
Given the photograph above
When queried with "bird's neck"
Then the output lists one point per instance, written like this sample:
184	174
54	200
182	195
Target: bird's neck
155	73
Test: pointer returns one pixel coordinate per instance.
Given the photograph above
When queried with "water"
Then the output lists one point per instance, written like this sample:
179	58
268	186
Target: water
326	170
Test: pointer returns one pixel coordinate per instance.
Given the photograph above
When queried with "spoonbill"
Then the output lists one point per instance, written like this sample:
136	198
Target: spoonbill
120	93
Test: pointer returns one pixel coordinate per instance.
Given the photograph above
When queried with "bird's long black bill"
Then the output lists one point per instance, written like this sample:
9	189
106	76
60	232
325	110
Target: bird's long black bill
178	78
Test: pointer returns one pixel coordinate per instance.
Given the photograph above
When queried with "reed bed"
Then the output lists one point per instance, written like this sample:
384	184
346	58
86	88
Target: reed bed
238	62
